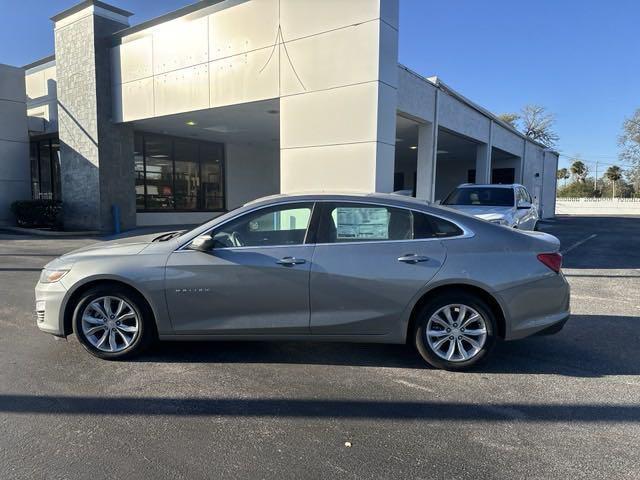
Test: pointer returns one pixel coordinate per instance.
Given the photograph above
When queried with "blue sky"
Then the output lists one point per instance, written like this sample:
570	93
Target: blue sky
578	58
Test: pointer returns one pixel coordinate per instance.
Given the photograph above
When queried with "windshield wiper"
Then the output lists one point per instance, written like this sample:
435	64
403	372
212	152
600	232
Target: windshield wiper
168	236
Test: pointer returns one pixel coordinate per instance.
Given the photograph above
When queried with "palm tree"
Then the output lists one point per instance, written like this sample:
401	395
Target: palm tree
579	170
614	173
563	174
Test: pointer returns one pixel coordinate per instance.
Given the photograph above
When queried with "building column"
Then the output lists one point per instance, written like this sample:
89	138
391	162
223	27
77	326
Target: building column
483	159
426	164
15	181
337	132
97	166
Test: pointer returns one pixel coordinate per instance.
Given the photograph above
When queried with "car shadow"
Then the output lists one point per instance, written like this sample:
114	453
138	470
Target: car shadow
588	346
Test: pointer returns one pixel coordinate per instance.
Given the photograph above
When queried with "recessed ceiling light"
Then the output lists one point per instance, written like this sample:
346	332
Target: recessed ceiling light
413	147
160	156
191	123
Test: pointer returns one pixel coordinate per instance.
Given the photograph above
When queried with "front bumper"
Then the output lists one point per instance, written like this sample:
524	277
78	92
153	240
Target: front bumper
49	307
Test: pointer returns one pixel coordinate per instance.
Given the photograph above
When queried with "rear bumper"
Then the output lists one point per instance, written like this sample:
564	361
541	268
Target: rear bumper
539	307
554	328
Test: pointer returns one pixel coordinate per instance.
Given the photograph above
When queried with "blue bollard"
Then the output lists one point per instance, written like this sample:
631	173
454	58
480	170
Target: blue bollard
115	210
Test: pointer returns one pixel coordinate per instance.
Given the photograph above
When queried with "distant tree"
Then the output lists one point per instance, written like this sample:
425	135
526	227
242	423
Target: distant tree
629	141
537	124
623	188
578	190
563	174
613	173
579	171
510	118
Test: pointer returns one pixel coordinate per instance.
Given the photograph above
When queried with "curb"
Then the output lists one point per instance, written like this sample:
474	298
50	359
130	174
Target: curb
48	233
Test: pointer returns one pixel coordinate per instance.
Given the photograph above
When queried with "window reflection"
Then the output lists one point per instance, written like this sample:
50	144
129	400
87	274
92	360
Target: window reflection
178	174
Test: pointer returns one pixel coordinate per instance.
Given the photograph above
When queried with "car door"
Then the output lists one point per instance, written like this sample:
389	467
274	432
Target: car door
369	262
255	279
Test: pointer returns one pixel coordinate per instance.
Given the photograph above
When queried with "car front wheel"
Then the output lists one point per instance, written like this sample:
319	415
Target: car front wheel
455	331
112	322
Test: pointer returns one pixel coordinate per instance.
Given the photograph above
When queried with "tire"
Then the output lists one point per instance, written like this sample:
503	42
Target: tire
427	320
99	313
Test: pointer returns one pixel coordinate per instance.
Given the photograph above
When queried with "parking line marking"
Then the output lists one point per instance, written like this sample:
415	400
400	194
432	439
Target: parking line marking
577	244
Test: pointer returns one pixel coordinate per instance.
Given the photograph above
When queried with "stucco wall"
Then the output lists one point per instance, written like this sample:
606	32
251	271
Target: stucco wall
251	172
42	109
14	141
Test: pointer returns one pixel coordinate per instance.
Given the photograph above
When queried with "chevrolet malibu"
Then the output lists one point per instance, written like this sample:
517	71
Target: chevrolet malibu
327	267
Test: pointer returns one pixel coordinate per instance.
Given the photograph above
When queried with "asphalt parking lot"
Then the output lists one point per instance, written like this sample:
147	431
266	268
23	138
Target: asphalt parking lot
563	406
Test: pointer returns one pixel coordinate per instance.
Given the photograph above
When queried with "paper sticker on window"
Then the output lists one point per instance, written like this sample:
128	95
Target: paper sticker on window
361	223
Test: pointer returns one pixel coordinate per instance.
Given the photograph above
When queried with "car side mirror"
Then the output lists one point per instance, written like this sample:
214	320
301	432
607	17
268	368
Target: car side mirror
522	205
202	243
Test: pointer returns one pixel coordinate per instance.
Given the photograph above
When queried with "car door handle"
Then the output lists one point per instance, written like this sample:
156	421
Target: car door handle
413	258
290	261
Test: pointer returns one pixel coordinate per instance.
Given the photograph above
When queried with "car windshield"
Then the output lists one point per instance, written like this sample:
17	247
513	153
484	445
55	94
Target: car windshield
487	196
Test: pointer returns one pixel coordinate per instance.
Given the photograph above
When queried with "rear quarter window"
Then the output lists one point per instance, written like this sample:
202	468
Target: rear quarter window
443	228
428	226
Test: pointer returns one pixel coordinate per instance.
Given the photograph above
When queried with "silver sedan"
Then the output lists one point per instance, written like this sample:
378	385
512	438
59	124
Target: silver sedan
327	267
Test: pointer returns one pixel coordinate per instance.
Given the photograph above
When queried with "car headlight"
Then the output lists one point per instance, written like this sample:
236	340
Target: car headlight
51	276
499	221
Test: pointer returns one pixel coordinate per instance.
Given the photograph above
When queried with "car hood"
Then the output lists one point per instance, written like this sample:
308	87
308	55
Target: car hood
121	246
482	211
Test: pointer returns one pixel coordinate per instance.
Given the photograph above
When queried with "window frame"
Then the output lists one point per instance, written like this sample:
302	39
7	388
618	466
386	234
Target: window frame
322	213
172	139
55	179
312	229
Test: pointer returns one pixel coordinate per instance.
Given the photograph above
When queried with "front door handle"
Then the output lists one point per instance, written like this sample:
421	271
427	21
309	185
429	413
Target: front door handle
413	258
290	261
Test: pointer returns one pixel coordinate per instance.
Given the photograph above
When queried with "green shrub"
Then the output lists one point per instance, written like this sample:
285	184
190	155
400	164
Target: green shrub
38	213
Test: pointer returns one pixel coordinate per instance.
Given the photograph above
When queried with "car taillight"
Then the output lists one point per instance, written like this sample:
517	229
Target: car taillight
551	260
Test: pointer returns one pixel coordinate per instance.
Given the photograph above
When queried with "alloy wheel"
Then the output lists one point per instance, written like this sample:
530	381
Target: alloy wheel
456	332
110	324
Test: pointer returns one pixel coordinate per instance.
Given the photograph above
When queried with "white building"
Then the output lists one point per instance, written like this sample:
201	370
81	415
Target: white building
220	102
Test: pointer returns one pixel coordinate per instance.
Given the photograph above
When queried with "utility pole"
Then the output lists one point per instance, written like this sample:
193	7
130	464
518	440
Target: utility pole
595	182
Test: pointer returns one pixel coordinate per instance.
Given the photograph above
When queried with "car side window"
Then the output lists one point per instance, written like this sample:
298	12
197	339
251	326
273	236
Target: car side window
355	222
279	225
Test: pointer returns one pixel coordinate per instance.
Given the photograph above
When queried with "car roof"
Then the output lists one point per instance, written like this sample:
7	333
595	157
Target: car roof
490	185
342	195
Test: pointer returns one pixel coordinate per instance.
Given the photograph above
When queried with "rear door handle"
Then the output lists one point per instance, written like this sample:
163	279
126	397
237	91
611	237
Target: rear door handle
413	258
290	261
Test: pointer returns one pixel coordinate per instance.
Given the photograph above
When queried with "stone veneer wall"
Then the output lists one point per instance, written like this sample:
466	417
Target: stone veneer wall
97	166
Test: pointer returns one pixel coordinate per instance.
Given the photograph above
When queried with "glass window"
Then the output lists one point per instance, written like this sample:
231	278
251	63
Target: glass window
212	156
443	228
46	187
280	225
422	226
44	157
187	175
158	173
139	172
178	174
494	197
346	222
35	170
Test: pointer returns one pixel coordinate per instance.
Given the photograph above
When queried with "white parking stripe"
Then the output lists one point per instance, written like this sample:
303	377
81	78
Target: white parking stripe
577	244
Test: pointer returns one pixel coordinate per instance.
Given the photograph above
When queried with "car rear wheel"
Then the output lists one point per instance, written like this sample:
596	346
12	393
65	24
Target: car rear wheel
455	331
112	322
